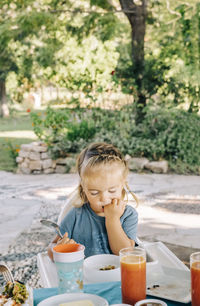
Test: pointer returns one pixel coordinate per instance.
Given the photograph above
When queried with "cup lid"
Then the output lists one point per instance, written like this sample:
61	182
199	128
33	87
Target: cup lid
69	252
68	248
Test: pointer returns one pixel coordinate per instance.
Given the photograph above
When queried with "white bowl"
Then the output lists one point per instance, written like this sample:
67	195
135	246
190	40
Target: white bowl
150	302
92	265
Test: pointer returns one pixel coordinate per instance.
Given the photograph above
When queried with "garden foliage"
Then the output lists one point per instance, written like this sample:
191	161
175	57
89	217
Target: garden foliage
164	134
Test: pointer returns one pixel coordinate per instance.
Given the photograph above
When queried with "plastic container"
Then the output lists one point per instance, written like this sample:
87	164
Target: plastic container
69	259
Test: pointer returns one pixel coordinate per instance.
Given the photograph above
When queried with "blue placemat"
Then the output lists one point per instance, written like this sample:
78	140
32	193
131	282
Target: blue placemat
111	291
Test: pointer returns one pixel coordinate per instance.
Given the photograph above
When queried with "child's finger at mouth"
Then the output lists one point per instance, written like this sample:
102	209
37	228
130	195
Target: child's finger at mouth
114	201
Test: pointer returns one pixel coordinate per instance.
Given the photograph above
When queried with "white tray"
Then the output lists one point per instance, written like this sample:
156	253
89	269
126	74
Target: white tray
49	277
47	271
158	251
169	283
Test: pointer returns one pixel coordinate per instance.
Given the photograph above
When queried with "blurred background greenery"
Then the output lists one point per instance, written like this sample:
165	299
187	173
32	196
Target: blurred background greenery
126	72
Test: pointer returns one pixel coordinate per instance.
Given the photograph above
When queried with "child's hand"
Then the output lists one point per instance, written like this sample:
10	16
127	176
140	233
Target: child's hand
65	239
115	209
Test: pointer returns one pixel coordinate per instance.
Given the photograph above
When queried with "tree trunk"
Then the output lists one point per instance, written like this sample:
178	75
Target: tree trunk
136	14
4	111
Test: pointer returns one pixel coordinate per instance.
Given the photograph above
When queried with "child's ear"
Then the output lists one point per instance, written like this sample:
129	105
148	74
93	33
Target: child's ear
82	193
82	187
124	193
81	183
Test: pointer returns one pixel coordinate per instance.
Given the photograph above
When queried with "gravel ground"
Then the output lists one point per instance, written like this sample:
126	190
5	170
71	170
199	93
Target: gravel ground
21	257
181	205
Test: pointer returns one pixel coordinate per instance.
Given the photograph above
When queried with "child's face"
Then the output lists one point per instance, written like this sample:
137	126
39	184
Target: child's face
101	184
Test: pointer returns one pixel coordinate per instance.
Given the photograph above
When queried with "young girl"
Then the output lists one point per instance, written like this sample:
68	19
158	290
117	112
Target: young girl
104	223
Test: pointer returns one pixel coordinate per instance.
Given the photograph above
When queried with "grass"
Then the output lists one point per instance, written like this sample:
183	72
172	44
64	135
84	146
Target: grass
14	131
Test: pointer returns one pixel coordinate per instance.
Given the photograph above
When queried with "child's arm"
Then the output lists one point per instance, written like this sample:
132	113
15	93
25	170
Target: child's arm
116	235
58	240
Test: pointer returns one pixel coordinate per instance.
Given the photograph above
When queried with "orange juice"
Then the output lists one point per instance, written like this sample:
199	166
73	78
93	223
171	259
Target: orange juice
195	283
133	278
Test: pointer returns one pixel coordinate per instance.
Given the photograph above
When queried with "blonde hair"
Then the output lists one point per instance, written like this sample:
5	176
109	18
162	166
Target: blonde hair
95	154
101	153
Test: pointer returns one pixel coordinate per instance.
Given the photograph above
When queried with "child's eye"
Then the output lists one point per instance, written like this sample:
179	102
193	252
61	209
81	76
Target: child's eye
112	191
94	193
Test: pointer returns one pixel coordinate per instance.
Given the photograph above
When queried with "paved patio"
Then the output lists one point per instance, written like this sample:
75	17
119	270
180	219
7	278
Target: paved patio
169	211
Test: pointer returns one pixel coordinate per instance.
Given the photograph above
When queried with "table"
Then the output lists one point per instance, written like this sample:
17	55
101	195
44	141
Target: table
111	291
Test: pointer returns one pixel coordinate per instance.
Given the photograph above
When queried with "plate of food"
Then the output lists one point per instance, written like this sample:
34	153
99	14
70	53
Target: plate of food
74	299
16	293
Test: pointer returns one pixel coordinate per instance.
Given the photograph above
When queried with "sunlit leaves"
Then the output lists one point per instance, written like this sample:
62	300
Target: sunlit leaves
105	4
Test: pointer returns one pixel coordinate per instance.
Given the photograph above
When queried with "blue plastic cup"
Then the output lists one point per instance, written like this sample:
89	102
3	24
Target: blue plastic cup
69	263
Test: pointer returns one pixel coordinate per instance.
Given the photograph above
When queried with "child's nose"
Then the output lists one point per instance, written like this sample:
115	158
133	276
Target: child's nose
104	198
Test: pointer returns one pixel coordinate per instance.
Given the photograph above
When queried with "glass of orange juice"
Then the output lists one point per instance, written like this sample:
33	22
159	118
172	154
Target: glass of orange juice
195	278
133	274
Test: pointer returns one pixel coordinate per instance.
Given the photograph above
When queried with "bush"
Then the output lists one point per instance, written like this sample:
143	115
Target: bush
169	134
51	124
82	130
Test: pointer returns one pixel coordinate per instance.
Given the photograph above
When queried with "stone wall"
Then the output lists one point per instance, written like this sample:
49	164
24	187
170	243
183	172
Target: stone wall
35	158
141	163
